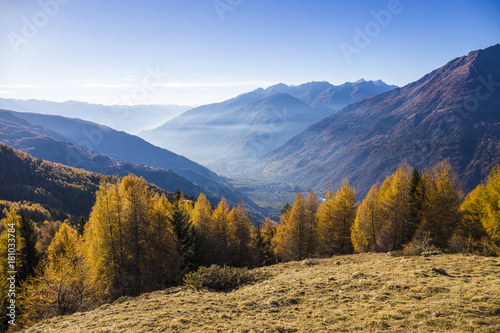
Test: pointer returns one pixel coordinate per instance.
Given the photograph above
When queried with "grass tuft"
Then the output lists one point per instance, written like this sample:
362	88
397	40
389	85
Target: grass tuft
216	278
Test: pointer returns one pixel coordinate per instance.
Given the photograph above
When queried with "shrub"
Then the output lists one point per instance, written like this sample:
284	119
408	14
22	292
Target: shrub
218	278
419	245
483	247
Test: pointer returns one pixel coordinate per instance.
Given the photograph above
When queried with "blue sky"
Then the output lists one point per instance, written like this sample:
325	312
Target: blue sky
194	52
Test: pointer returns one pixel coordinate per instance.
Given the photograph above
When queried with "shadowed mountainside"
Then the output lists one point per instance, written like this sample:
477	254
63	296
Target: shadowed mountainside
451	113
43	143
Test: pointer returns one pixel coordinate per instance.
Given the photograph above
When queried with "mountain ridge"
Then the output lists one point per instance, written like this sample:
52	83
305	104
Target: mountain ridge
120	117
422	122
227	137
92	147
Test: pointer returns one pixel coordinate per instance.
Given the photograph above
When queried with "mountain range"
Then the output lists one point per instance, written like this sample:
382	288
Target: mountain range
451	113
59	188
225	135
97	148
295	134
131	119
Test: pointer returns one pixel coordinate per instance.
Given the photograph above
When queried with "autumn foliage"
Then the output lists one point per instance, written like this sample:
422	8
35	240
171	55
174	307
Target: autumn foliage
137	240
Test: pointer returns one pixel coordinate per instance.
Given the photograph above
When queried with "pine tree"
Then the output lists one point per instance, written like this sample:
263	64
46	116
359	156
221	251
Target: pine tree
80	227
369	220
185	233
28	255
286	208
416	205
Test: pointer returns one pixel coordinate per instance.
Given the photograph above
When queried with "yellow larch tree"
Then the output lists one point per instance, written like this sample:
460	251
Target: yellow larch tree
335	217
201	218
395	201
163	259
103	239
325	230
491	220
312	205
290	241
63	284
441	212
368	222
240	236
219	234
267	232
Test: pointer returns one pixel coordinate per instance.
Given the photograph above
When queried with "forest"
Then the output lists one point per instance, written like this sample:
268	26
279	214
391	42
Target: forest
137	240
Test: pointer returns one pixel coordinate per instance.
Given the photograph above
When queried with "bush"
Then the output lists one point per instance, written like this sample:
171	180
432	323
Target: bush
218	278
483	247
419	245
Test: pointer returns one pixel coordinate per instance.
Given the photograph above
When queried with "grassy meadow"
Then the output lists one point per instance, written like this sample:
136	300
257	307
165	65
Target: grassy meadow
352	293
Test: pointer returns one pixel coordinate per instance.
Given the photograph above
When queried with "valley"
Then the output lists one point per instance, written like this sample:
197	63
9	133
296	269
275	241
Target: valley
270	195
249	166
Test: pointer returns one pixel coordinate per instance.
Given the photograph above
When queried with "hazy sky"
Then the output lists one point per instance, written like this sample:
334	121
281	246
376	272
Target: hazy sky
194	52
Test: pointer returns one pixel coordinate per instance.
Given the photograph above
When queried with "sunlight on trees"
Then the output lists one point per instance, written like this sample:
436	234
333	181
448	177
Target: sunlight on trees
136	240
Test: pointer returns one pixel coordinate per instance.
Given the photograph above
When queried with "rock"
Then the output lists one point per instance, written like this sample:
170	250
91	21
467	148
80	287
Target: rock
431	253
309	262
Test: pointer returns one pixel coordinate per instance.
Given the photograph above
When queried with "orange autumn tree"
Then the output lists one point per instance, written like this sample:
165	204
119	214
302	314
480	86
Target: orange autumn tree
368	222
291	238
441	210
240	236
335	218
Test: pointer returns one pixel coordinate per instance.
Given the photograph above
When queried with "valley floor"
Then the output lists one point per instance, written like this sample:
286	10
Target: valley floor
364	292
271	195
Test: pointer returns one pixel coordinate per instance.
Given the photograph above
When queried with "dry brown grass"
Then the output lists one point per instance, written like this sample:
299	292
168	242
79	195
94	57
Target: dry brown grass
366	292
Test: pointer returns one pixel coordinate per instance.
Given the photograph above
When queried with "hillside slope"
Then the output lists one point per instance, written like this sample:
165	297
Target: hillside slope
42	143
451	113
23	177
134	150
67	189
362	293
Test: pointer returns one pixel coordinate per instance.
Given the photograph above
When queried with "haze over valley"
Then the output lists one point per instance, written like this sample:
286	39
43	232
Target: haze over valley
253	166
